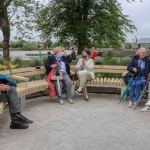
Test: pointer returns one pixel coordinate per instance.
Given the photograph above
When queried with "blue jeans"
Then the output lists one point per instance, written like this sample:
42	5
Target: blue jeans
135	88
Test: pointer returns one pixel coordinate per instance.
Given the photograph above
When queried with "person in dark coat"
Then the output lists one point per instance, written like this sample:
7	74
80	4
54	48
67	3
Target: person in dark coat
60	61
73	54
8	94
140	67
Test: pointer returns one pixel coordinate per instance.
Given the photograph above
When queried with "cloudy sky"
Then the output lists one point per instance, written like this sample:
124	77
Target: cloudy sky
138	13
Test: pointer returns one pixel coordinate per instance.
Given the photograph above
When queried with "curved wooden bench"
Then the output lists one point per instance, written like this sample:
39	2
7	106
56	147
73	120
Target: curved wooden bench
30	87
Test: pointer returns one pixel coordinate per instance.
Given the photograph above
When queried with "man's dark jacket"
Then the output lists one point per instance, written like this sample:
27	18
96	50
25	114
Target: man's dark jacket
52	60
134	63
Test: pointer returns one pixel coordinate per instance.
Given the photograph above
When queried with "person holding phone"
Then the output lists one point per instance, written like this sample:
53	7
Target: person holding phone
60	61
85	71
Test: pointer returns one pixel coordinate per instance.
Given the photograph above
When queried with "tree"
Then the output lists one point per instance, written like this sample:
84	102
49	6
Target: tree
14	12
85	21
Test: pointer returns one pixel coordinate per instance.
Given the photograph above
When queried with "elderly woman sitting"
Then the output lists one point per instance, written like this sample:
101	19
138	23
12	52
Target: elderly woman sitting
60	62
85	72
140	67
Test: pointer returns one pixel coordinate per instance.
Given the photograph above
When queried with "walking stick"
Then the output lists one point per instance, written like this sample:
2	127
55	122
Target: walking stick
141	95
58	86
126	90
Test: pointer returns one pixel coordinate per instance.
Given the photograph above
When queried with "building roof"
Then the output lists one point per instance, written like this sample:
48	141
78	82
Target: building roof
144	40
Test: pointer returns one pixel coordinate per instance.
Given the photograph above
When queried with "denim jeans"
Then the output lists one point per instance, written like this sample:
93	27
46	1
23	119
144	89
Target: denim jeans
12	98
135	88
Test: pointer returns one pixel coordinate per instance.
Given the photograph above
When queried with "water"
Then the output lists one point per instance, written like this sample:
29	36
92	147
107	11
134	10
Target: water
22	54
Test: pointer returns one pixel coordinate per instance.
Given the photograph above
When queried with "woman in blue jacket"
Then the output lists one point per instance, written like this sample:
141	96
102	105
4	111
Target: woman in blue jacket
140	67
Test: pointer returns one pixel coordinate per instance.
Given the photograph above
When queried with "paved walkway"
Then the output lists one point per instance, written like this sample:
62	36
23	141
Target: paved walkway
101	124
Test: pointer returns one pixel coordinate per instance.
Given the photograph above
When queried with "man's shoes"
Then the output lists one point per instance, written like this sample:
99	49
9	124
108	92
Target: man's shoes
20	118
70	101
61	102
130	104
19	125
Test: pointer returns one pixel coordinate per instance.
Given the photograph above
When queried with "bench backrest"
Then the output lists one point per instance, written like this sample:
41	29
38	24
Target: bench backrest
31	71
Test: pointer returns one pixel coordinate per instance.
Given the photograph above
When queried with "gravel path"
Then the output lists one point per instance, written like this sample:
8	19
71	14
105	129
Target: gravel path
101	124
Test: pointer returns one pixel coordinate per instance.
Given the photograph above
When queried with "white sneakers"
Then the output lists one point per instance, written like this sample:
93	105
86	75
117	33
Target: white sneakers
70	101
61	102
146	108
130	104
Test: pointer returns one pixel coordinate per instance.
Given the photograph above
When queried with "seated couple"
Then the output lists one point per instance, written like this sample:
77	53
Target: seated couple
59	62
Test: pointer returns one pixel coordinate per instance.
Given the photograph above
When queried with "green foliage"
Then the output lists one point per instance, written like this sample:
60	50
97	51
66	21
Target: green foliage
0	44
27	46
36	62
85	22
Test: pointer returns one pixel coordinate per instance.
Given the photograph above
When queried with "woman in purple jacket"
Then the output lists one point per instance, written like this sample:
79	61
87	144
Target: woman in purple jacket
60	61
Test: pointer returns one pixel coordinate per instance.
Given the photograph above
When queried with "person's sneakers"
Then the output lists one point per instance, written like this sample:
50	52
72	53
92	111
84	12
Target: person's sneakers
134	105
19	125
78	92
146	108
130	104
61	102
70	101
20	118
86	98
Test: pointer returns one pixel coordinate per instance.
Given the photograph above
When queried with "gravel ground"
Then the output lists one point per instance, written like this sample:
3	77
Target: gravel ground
100	124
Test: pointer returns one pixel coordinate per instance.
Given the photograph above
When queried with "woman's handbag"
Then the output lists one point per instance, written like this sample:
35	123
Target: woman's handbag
52	90
127	77
74	77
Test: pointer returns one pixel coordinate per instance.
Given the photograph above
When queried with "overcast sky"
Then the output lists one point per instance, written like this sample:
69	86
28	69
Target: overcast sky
138	13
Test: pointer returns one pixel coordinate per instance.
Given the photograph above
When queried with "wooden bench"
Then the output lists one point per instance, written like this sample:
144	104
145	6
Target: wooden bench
30	87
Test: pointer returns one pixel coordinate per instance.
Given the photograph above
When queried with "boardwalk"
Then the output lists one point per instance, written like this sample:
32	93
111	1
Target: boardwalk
101	124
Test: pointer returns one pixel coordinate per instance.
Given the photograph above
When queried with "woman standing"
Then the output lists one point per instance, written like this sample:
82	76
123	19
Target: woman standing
85	72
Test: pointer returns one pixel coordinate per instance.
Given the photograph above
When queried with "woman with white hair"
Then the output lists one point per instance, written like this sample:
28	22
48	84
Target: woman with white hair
140	67
60	62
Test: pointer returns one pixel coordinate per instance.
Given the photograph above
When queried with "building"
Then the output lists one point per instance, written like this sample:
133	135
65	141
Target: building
144	42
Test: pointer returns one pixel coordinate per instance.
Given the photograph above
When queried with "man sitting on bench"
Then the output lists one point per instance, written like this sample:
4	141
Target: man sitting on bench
9	94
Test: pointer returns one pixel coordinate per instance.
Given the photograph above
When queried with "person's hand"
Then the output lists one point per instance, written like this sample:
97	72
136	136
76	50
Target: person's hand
134	69
61	75
63	52
4	87
83	63
54	65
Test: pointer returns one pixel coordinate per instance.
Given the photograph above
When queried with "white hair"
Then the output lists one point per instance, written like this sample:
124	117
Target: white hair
142	49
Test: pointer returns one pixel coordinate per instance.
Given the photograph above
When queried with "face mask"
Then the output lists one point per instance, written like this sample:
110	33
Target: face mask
84	56
60	54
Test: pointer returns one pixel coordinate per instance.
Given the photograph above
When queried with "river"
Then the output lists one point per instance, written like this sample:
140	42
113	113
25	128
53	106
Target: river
23	54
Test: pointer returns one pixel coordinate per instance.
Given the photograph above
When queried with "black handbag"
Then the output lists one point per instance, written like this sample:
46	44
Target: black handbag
127	77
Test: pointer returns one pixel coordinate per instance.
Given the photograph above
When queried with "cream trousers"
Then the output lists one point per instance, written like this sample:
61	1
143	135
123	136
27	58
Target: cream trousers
83	77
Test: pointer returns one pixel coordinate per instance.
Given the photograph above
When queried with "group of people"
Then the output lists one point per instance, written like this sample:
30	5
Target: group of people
59	62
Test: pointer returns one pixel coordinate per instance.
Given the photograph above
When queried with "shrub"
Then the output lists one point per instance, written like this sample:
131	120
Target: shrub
36	62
